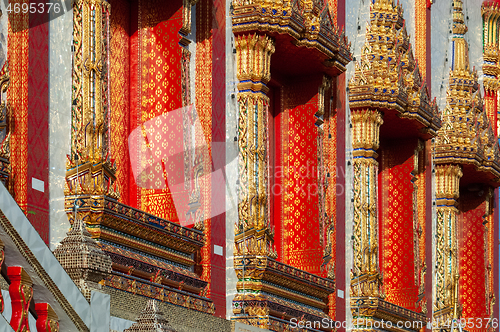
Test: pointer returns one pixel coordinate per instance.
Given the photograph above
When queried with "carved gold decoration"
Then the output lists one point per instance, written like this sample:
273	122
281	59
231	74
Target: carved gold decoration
419	220
489	254
308	22
254	233
186	21
365	137
262	280
268	289
465	139
387	77
368	310
82	259
466	136
326	224
325	85
491	66
5	132
90	168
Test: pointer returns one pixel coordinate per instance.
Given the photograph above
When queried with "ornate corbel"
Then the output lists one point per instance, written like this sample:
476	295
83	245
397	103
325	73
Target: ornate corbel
21	293
47	318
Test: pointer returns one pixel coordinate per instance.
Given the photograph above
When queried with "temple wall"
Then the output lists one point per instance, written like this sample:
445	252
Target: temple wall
231	162
474	20
396	218
60	39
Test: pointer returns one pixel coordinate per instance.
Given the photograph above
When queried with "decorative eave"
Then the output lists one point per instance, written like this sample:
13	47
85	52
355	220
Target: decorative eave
379	309
91	177
309	22
387	77
287	291
114	222
469	143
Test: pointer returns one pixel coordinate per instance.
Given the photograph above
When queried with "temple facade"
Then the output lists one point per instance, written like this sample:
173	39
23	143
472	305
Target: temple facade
249	165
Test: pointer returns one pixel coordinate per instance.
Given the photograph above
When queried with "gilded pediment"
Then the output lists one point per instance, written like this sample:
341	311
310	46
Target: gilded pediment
309	22
387	76
467	135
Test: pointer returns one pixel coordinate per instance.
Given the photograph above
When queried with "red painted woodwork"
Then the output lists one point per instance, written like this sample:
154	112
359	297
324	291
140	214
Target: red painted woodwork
47	320
21	293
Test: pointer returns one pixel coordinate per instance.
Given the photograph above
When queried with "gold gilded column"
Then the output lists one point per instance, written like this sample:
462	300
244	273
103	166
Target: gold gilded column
90	170
253	233
447	179
5	129
253	58
366	280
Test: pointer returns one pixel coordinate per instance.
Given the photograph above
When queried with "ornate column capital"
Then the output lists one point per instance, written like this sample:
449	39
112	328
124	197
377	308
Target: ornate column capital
253	57
365	132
